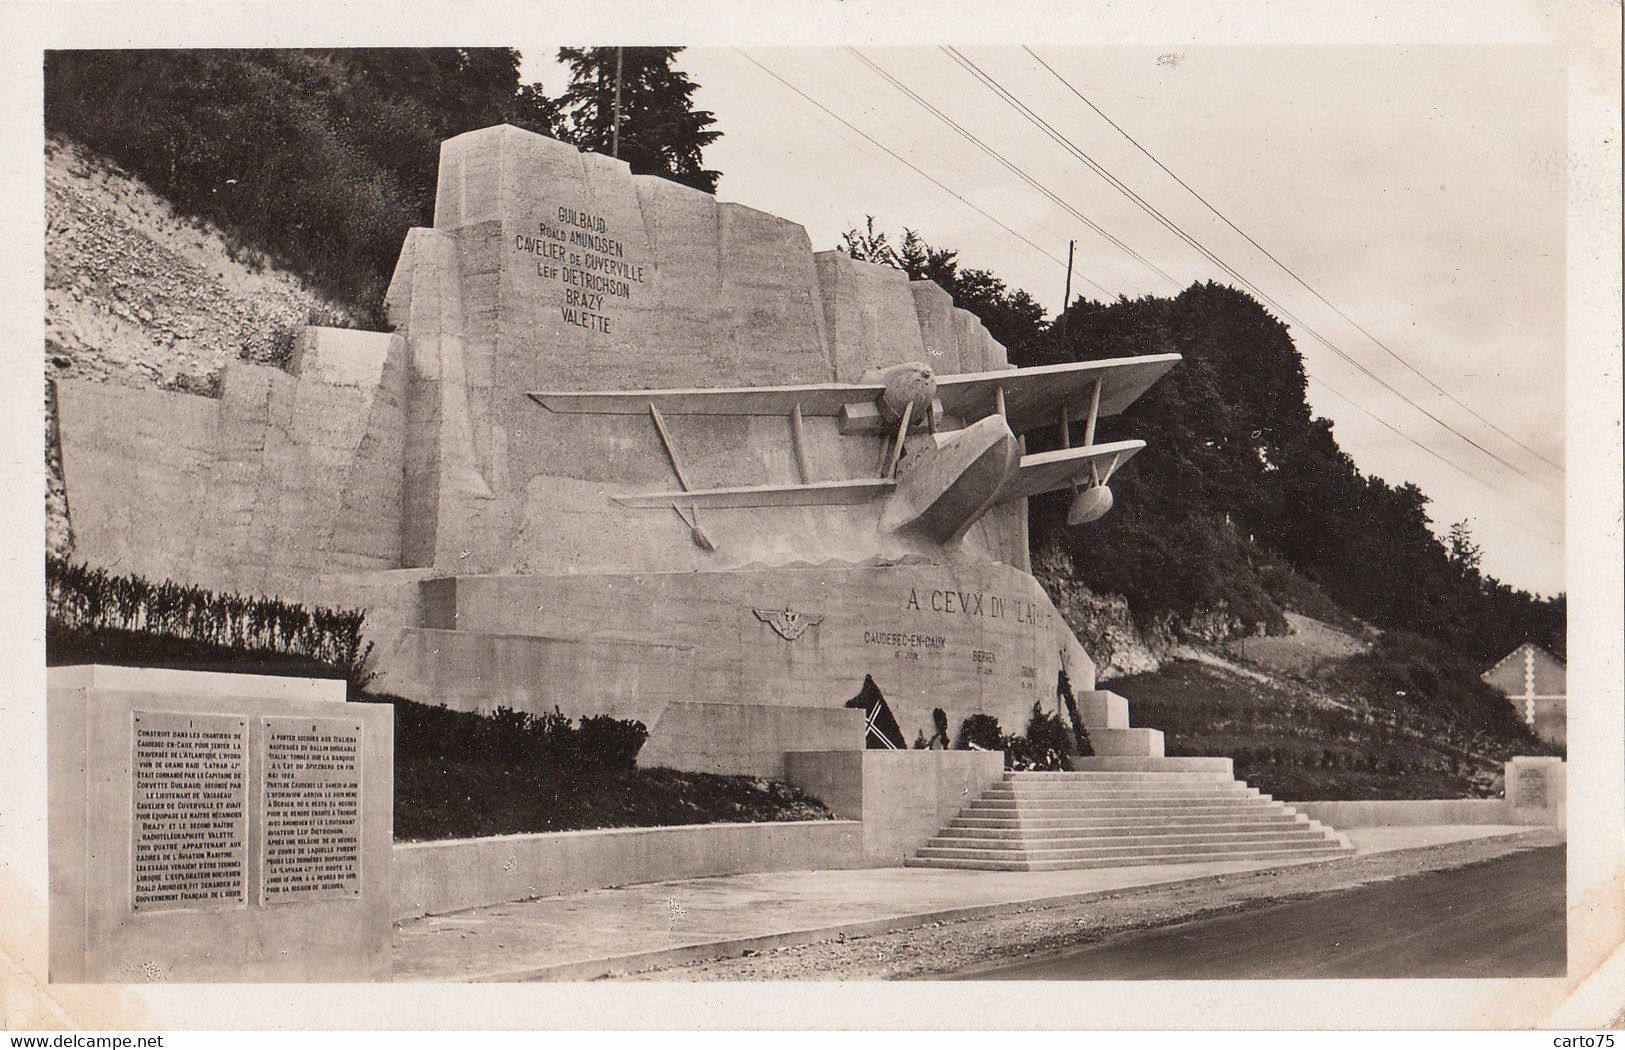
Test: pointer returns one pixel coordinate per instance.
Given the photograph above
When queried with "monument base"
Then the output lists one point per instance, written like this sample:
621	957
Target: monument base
972	636
217	827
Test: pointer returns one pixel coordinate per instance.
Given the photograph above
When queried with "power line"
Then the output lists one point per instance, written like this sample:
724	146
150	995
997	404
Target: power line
1033	118
1013	168
914	96
1292	273
903	133
902	160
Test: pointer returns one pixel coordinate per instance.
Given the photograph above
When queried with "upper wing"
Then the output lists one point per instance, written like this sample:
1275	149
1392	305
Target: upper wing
816	494
817	399
1047	471
1033	396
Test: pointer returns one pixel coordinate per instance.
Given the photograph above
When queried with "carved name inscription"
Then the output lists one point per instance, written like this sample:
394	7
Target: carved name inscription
1531	789
578	251
312	809
190	826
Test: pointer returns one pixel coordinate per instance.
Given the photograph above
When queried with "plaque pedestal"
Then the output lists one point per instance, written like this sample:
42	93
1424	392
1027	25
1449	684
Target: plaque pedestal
217	827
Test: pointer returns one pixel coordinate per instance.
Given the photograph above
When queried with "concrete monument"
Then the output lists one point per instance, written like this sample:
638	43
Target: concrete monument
631	447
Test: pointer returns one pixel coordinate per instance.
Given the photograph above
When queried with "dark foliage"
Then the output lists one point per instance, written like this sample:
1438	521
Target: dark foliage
661	133
981	731
1080	732
1047	745
92	610
1244	498
514	737
469	798
461	774
65	646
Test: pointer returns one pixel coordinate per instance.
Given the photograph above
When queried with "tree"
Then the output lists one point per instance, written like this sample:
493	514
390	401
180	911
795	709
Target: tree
660	133
1465	555
869	245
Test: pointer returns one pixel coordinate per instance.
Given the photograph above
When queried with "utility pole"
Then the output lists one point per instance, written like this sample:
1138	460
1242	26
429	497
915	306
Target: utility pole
1071	246
615	124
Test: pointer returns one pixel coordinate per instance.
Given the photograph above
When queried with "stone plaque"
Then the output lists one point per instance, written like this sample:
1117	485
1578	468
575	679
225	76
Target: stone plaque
190	819
1531	789
312	828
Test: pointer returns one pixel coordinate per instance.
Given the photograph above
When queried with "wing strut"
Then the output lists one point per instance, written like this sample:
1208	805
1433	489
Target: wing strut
798	438
671	447
701	538
897	447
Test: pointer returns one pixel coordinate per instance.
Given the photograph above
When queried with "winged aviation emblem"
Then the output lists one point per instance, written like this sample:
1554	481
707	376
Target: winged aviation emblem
787	623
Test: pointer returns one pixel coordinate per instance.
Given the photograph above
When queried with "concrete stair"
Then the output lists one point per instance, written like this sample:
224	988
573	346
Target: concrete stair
1117	811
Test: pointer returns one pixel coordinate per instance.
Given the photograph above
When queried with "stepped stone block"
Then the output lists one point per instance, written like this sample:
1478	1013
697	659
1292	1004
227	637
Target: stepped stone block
1136	742
1053	821
1100	707
1160	764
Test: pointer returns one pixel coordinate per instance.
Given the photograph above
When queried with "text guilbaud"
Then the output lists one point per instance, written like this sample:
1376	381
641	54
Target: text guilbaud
976	603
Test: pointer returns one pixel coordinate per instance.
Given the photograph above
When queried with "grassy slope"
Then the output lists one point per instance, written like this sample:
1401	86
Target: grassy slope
1297	742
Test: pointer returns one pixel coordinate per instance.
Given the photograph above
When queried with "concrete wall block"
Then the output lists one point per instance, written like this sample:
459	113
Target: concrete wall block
1405	812
869	315
935	307
101	932
1102	708
1127	742
1537	791
908	796
751	739
433	878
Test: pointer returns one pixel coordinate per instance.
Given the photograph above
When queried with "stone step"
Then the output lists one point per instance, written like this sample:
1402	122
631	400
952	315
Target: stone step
1077	830
1128	840
1115	789
1190	856
1133	820
1173	803
1142	764
1196	776
1122	811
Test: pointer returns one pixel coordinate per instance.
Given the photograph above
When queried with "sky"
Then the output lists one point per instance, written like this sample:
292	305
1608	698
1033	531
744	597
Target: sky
1415	195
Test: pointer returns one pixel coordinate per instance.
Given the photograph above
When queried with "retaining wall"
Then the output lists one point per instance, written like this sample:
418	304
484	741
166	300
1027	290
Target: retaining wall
901	797
1390	813
433	878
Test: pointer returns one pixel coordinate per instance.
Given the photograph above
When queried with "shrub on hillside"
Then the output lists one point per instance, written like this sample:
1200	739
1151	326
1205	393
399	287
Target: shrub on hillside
516	738
322	159
1436	680
91	602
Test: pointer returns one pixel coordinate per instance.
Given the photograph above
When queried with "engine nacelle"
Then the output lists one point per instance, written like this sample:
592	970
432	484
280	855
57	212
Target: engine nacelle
912	386
1091	504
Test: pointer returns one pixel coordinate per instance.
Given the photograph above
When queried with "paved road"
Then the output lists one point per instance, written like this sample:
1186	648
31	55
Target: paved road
1501	918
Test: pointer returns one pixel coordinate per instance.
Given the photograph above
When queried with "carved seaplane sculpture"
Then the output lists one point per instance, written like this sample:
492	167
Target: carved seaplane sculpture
954	445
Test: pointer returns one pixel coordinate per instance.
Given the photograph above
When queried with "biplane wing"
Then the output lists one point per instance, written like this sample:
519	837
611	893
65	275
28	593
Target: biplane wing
1085	465
816	494
816	399
1034	397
